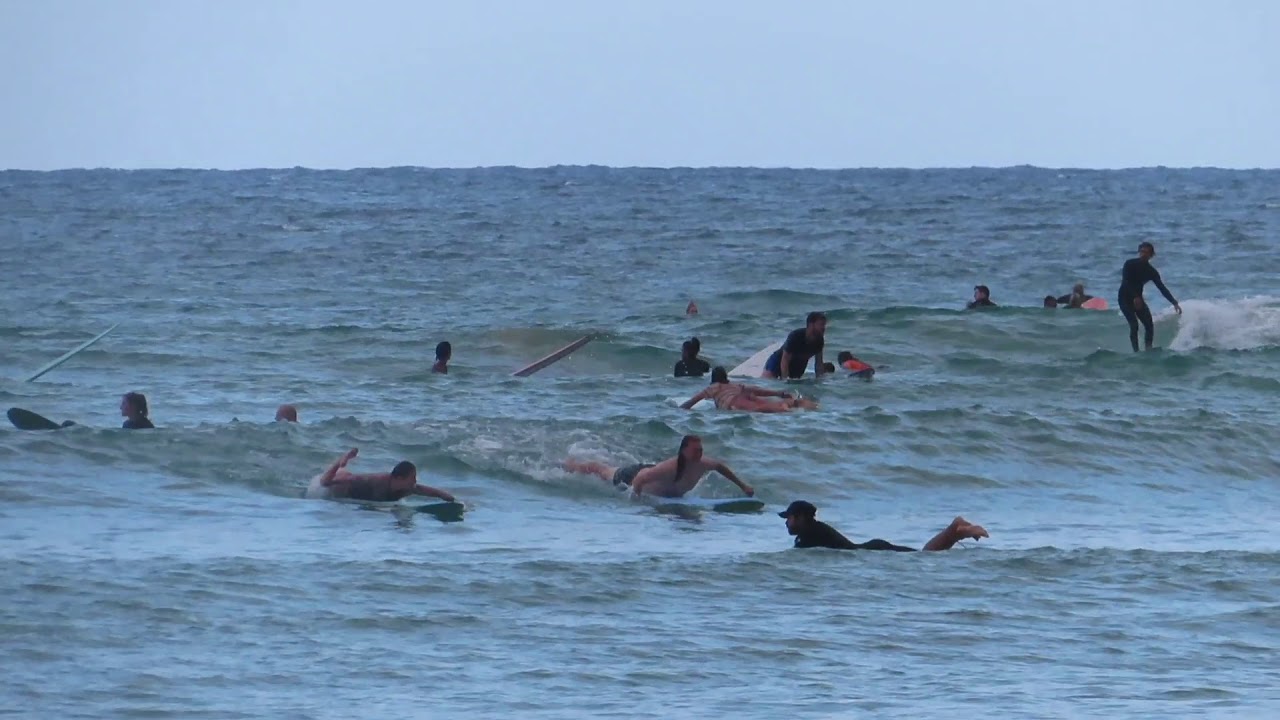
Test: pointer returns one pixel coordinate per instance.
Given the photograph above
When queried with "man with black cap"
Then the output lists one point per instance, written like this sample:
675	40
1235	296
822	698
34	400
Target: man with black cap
810	532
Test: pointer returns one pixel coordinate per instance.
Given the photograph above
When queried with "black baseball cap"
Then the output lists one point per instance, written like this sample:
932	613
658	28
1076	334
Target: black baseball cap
799	507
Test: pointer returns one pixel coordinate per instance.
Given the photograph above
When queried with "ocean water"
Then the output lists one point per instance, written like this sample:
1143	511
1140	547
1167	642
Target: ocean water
1133	568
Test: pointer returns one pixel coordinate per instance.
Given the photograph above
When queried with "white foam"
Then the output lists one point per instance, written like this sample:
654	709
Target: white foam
316	491
1244	324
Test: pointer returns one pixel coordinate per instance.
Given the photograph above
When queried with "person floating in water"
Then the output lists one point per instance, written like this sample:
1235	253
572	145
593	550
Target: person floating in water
689	364
737	396
1135	274
802	522
1075	299
287	413
981	298
133	408
671	478
444	351
854	365
691	308
802	345
401	482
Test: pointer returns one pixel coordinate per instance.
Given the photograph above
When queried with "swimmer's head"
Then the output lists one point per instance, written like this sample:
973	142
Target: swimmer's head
799	514
1146	250
696	345
981	292
686	350
1050	301
288	413
817	322
719	375
828	367
1077	289
444	351
404	473
133	404
844	356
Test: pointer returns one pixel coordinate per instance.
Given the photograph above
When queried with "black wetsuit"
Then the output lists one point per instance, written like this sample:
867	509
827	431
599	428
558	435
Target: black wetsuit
1135	274
138	424
696	367
801	350
984	302
820	534
1066	300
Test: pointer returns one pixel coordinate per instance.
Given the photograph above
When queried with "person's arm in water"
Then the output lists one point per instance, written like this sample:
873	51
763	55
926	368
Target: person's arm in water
725	471
784	364
330	476
818	370
1155	278
429	491
688	404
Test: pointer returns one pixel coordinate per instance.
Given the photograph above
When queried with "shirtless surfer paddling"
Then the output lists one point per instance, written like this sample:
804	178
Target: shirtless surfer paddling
671	478
737	396
401	482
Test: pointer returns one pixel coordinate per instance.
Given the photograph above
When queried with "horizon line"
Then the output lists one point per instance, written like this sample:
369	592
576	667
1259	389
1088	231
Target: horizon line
832	168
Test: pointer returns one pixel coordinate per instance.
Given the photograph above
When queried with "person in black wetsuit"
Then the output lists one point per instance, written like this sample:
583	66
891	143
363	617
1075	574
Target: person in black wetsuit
802	522
1136	273
801	345
133	407
690	365
1076	298
981	298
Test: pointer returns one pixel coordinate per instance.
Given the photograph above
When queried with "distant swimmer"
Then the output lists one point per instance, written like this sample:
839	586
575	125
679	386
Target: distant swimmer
691	308
401	482
690	365
133	408
737	396
802	522
671	478
802	345
1050	302
854	365
287	413
1076	298
981	298
444	351
1135	274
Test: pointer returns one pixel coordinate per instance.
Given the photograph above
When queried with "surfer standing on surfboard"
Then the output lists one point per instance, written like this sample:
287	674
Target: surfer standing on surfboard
738	396
1135	274
401	482
671	478
802	345
133	407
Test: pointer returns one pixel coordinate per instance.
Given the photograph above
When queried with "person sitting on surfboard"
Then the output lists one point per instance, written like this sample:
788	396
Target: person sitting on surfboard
401	482
737	396
1076	299
671	478
444	351
802	345
981	298
802	522
133	407
690	365
854	365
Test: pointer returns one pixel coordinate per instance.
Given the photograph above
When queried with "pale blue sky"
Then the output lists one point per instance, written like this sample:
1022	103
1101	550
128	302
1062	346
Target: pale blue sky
279	83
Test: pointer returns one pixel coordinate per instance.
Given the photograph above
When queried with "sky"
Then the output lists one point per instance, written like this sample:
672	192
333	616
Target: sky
659	83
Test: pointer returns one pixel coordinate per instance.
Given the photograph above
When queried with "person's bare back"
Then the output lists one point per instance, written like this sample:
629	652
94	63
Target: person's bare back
672	477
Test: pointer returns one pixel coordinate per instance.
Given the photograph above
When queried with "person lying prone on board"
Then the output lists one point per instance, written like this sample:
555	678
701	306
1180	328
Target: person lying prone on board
737	396
803	523
671	478
401	482
854	365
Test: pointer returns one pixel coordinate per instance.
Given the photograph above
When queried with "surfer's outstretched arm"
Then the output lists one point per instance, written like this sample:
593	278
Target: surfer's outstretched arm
688	404
429	491
605	472
817	365
725	471
959	529
330	475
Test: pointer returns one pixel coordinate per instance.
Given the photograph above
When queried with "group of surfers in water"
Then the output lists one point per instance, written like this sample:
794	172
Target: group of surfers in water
677	475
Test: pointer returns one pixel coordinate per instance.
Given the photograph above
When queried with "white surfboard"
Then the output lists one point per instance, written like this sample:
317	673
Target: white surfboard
754	365
71	354
554	357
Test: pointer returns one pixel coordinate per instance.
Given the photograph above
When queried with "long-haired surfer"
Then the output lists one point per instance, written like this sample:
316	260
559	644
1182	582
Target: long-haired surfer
671	478
133	408
1135	274
401	482
802	522
738	396
802	345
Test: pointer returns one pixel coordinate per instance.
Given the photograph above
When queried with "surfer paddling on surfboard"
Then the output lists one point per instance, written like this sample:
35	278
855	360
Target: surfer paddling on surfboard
1135	274
802	345
401	482
737	396
803	523
671	478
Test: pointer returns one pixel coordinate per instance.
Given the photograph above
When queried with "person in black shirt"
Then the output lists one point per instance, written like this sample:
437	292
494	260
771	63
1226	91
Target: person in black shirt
133	407
690	365
1135	274
802	345
981	298
802	522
